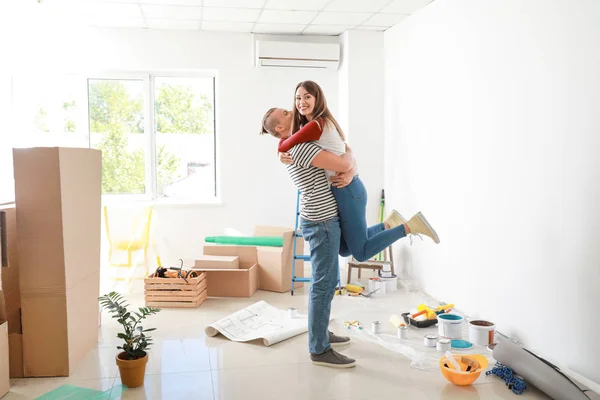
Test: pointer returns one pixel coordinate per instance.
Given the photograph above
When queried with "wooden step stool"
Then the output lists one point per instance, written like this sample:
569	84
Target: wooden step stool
372	264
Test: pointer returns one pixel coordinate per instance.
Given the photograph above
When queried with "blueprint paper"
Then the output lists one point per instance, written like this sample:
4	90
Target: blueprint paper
259	321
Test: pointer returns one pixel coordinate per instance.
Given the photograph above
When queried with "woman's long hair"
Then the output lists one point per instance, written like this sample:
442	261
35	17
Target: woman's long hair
320	110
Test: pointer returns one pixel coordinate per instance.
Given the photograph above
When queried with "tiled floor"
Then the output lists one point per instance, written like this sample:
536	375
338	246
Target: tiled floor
185	364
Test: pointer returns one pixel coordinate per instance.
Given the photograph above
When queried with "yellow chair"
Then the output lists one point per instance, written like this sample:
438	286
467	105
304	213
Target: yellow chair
139	238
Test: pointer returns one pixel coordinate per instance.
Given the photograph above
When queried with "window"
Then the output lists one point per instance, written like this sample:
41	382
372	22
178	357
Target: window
156	132
175	155
185	137
116	122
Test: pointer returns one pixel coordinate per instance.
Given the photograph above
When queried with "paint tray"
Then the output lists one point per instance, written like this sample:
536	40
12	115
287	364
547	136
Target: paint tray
419	324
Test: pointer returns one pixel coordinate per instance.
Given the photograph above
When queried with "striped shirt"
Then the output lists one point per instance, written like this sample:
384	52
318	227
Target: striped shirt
318	203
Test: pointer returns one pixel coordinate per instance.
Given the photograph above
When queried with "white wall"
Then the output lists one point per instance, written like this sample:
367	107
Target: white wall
255	187
492	130
361	109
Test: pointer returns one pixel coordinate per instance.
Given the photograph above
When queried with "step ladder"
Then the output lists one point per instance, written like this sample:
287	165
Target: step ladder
302	257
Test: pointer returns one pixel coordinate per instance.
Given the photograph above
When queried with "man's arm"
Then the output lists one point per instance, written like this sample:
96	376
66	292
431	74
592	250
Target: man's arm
332	162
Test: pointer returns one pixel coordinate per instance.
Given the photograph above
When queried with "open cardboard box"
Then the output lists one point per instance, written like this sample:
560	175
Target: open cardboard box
242	282
275	263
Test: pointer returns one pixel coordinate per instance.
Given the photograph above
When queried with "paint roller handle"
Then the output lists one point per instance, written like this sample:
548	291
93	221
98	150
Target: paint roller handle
415	315
430	311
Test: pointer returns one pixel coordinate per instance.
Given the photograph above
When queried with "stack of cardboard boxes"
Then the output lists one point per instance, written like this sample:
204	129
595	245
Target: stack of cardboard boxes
239	271
52	242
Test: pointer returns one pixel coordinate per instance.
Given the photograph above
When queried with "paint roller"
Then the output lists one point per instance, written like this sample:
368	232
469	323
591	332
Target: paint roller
431	313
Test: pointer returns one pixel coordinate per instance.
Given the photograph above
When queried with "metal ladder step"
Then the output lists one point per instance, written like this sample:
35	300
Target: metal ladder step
307	280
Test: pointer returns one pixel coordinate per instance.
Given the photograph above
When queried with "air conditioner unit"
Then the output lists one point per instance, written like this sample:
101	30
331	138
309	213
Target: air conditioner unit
297	54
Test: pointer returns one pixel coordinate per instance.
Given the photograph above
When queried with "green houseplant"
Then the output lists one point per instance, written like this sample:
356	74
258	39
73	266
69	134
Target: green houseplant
133	357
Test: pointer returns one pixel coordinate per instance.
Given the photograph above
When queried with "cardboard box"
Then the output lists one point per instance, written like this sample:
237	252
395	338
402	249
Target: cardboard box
4	364
217	262
15	353
15	347
10	275
275	263
242	282
175	292
3	241
58	204
10	300
8	234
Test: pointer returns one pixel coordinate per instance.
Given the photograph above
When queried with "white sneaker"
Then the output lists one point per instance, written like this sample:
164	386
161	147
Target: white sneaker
419	225
394	219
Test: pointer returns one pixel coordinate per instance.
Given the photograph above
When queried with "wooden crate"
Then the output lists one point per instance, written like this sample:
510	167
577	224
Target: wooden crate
175	292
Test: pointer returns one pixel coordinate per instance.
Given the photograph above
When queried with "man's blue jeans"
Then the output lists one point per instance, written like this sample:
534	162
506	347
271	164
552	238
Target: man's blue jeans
357	239
324	242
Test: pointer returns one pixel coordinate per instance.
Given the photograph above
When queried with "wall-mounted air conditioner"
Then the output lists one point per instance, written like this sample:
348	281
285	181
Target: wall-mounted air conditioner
297	54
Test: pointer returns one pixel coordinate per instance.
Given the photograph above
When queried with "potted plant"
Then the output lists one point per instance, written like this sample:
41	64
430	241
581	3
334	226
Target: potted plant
132	360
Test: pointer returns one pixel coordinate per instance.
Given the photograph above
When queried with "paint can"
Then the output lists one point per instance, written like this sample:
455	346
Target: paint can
443	344
377	284
430	340
386	271
391	283
481	333
450	326
372	284
376	328
403	332
292	312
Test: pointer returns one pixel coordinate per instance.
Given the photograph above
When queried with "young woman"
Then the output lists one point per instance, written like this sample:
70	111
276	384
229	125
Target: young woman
311	120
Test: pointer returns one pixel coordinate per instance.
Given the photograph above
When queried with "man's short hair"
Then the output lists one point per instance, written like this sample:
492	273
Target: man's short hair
269	122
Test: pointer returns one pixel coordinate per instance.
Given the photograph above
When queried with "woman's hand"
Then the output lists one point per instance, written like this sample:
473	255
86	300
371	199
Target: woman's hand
342	179
286	158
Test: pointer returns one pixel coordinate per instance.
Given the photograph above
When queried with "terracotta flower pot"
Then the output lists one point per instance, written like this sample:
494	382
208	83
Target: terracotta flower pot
132	371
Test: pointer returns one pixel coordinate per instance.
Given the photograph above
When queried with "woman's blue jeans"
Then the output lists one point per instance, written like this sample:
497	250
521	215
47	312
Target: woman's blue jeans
357	239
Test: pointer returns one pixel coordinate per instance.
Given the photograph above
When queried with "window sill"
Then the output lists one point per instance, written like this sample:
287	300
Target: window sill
174	201
109	200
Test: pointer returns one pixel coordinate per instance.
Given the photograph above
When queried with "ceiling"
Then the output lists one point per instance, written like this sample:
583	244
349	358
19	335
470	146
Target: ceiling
295	17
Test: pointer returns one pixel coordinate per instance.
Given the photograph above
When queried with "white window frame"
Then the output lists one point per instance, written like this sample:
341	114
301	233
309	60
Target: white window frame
151	180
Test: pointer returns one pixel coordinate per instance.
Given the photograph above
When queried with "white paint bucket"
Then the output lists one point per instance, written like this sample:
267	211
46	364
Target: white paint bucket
481	333
430	340
377	284
449	326
376	328
391	284
443	344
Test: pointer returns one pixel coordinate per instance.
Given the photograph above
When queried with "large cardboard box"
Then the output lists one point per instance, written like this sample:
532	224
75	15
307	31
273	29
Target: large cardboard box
4	365
242	282
10	301
275	263
58	204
